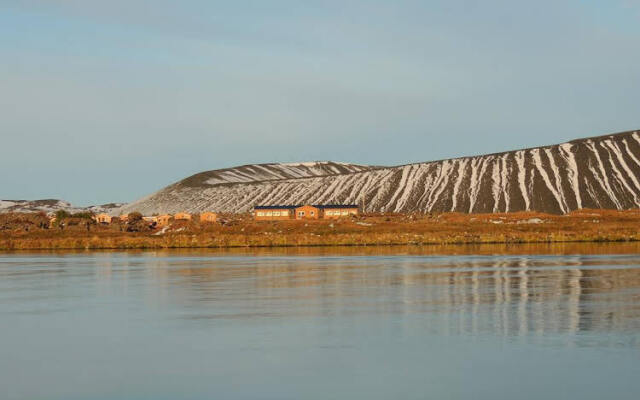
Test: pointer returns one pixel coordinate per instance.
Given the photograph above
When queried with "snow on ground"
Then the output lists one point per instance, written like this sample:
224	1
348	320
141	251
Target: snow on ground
587	173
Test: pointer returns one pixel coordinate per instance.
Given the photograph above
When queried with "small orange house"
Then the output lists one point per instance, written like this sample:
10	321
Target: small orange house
124	217
163	220
182	216
103	218
208	216
307	212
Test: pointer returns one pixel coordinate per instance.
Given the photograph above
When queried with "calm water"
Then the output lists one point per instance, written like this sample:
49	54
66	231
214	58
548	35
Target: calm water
320	325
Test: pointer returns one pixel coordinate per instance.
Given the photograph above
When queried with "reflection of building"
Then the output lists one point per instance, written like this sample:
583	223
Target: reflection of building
530	296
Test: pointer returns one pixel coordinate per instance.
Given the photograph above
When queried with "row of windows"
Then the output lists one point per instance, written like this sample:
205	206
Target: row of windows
272	213
339	212
302	213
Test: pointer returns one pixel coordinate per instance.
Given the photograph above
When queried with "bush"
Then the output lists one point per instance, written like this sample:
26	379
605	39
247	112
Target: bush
83	215
62	214
134	217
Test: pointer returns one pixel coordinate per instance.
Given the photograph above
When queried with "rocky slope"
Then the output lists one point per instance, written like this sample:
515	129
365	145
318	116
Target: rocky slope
51	206
598	172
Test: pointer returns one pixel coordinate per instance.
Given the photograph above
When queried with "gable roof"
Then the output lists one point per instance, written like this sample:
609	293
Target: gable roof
336	206
275	207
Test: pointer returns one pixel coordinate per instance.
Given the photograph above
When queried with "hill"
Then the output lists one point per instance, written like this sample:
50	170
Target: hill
597	172
51	206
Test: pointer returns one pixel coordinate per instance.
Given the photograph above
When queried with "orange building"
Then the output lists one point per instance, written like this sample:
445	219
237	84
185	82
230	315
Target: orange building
332	211
103	218
307	212
182	216
163	220
124	217
208	216
271	213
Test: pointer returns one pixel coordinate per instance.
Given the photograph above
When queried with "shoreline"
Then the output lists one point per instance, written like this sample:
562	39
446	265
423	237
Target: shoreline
144	244
26	231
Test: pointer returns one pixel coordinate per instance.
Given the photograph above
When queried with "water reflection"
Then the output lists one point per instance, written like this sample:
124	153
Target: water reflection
506	296
509	295
322	323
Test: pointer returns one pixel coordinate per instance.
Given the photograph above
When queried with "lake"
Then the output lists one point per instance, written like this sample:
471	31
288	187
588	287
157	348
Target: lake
483	322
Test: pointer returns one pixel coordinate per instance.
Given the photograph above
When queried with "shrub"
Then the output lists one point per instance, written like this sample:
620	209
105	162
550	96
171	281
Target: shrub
62	214
83	215
134	217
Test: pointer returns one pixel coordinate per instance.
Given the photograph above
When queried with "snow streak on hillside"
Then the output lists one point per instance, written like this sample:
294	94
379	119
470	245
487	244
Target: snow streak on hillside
269	172
50	206
600	172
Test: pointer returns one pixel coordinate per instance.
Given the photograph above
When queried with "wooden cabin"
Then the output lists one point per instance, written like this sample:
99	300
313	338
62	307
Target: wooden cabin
182	216
332	211
163	220
271	213
307	212
124	217
208	216
103	218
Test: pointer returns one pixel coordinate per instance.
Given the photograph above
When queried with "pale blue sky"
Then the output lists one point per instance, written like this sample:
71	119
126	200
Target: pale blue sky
110	100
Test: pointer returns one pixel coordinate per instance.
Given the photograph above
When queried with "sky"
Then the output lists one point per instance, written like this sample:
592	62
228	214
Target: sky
108	101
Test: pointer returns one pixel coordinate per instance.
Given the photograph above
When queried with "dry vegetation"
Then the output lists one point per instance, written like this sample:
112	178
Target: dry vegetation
30	231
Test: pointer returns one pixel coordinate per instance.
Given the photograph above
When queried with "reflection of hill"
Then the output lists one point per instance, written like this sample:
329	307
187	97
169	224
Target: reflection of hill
510	295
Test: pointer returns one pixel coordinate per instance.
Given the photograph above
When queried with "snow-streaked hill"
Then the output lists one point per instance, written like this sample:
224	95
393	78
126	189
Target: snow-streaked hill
268	172
599	172
50	206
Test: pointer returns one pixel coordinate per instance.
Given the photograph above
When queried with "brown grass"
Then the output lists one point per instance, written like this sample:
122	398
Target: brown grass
22	231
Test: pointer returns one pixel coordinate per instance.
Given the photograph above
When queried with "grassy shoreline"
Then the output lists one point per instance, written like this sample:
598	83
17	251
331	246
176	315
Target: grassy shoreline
241	231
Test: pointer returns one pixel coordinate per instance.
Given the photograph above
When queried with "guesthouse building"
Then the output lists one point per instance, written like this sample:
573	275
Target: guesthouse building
208	216
308	212
163	220
332	211
103	218
182	216
305	211
271	213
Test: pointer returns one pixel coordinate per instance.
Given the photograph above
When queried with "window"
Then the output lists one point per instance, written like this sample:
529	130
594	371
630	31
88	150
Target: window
300	213
344	212
284	213
276	213
312	213
269	213
260	214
